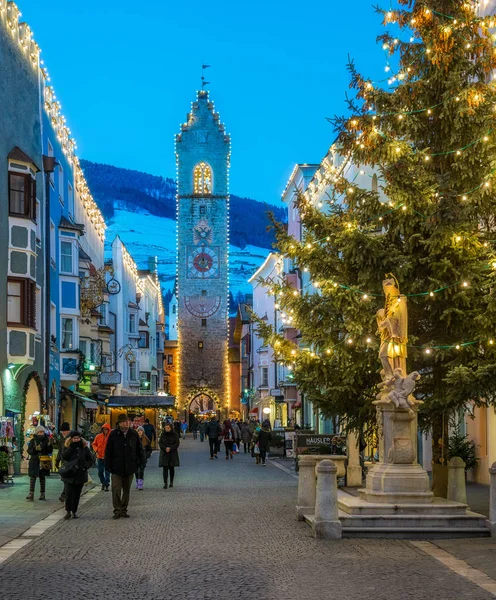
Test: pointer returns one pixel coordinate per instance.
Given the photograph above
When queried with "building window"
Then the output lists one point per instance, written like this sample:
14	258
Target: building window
170	359
102	309
133	371
66	257
144	341
204	322
61	185
21	302
375	186
22	196
53	321
132	323
264	376
203	210
173	309
52	242
70	200
202	179
204	292
69	295
67	331
50	175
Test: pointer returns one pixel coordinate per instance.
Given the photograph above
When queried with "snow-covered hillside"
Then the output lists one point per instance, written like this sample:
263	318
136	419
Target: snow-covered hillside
147	235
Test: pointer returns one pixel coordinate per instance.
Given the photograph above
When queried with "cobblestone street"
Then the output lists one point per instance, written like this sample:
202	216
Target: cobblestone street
226	531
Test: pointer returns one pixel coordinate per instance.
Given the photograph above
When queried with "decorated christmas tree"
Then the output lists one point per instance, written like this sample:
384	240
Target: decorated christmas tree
429	134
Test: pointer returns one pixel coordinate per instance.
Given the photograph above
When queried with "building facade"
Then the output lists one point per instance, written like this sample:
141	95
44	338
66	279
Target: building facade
22	340
202	154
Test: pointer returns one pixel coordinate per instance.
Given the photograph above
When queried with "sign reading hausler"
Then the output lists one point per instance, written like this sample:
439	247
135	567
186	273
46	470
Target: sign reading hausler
305	441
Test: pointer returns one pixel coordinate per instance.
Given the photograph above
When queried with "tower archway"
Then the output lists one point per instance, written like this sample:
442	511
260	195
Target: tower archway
203	403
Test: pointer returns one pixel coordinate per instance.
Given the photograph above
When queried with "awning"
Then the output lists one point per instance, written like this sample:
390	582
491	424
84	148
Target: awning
90	404
141	401
297	405
254	411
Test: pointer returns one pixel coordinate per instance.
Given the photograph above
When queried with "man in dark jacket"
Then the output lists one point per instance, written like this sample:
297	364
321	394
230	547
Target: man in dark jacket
150	432
123	455
213	430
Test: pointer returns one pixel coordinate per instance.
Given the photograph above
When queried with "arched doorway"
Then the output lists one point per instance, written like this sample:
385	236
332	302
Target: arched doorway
32	408
202	404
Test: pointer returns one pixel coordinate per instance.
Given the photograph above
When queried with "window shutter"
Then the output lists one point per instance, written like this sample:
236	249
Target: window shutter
31	305
32	201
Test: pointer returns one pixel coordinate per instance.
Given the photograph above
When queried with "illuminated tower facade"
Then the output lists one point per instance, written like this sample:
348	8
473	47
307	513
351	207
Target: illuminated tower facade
202	155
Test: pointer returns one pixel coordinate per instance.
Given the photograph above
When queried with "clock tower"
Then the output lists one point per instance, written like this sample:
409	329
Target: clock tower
202	156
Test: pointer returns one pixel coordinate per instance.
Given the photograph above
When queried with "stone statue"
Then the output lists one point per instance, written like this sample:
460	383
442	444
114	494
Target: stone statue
392	323
399	389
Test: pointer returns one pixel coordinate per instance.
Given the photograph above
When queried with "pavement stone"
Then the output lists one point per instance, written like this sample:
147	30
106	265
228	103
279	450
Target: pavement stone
226	531
17	514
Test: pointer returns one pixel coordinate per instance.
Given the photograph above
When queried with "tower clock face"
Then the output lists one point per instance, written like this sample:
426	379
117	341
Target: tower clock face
203	262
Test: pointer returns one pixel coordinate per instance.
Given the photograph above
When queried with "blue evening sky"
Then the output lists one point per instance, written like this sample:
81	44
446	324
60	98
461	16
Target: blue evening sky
126	72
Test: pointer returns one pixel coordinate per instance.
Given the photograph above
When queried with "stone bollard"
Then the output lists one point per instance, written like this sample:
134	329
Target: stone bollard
457	490
326	522
492	500
306	486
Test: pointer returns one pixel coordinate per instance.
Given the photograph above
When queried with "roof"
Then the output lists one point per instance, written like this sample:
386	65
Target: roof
105	329
143	323
83	255
272	256
18	154
142	401
132	305
66	224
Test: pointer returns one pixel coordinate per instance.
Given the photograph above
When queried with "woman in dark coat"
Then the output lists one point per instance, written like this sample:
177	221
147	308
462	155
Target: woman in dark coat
39	450
228	436
169	456
246	435
76	451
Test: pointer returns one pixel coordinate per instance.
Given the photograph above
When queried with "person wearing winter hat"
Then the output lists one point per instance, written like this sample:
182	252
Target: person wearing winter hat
123	454
65	428
99	444
77	460
39	449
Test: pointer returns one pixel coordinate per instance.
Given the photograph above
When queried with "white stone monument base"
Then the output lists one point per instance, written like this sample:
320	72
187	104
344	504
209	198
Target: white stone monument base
438	518
397	483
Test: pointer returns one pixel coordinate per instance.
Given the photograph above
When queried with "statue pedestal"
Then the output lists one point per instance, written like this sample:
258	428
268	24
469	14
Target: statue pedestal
397	478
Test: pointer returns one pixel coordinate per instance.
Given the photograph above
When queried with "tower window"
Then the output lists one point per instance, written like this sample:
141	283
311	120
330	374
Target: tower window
204	322
203	210
202	178
204	292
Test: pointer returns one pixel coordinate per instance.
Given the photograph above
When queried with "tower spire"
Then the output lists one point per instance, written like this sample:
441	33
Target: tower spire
204	83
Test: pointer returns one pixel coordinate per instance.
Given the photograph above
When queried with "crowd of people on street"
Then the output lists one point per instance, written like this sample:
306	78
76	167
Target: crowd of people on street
121	454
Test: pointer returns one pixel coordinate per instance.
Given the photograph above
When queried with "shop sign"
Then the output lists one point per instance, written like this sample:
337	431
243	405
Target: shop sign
112	378
307	441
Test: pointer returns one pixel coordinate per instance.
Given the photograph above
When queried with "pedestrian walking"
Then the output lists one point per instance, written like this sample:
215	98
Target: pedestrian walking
122	456
177	427
264	438
147	451
77	460
150	433
246	436
184	429
213	429
39	450
169	455
201	427
255	449
194	429
228	436
236	433
99	444
65	429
